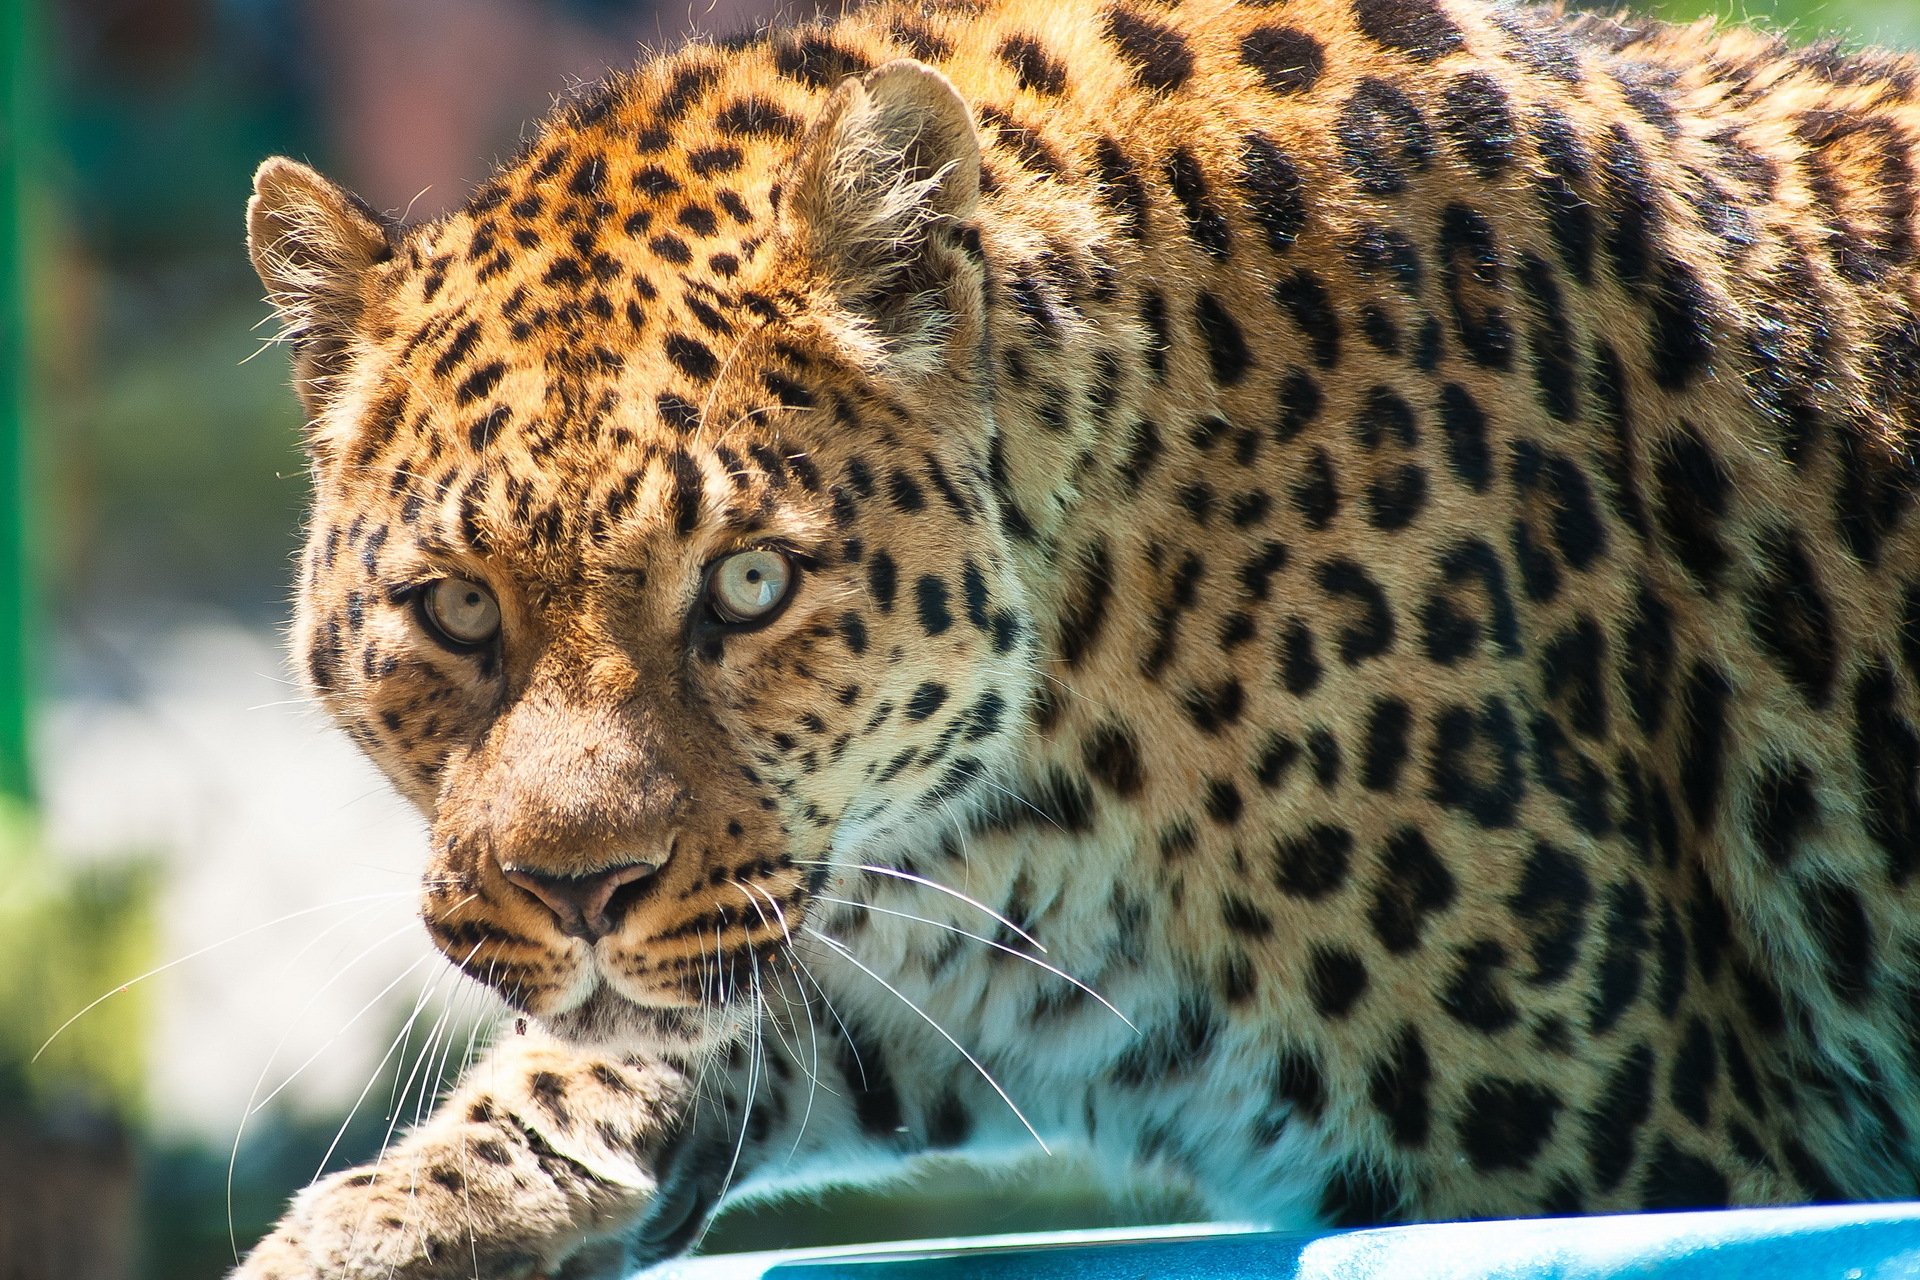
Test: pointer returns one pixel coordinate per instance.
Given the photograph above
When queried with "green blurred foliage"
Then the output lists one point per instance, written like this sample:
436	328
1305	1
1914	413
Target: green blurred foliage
1889	22
66	936
174	459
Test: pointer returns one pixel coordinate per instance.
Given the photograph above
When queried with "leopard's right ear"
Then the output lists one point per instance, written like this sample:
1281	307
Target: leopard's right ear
313	243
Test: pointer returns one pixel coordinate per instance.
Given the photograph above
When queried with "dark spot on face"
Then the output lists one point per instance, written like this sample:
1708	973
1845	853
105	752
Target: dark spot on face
1227	351
1681	328
1120	187
1385	744
1304	299
1679	1179
1300	667
1705	700
931	598
1473	273
1625	938
1033	67
1112	757
817	61
1477	995
1569	215
1695	1069
1837	917
754	116
882	580
1887	751
1475	764
1368	631
1478	123
1316	494
1612	1126
691	357
1550	903
1788	614
1694	497
1464	428
1084	617
1223	802
1207	227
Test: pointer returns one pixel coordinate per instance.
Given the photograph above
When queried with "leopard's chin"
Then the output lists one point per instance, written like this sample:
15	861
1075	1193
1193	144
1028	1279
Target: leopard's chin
605	1019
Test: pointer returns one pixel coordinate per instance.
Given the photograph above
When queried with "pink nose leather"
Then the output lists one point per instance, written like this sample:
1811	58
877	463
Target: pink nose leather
580	903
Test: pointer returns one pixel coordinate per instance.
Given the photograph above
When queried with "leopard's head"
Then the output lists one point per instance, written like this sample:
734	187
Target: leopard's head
656	550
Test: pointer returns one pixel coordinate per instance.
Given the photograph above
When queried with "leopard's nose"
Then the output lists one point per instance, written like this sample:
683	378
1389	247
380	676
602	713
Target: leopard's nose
585	906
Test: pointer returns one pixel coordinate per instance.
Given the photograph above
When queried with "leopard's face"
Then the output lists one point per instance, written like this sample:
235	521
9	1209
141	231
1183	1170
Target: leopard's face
643	569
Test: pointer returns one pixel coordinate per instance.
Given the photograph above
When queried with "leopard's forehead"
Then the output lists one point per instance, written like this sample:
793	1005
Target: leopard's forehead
599	283
594	333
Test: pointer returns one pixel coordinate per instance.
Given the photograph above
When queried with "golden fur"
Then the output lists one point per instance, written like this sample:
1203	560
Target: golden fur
1380	530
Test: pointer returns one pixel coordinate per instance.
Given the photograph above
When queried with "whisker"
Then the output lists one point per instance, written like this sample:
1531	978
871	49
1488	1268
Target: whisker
348	1025
997	946
248	1110
813	1030
935	885
1048	818
405	1033
196	954
841	950
396	1102
754	1063
759	989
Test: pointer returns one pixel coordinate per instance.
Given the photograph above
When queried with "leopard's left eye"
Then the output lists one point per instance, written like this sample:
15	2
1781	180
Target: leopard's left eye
748	586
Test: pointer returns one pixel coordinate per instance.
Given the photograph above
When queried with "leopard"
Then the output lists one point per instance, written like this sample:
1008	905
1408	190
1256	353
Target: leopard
1310	602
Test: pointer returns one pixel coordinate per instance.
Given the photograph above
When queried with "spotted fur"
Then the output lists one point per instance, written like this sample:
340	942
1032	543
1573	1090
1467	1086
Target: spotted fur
1381	531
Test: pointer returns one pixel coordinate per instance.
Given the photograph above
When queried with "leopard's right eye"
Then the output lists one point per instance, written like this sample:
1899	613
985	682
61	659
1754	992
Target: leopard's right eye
461	613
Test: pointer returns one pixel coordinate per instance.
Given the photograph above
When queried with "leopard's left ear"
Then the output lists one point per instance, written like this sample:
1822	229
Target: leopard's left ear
879	195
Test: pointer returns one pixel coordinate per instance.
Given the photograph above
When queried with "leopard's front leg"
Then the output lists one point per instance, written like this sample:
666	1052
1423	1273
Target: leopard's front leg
532	1168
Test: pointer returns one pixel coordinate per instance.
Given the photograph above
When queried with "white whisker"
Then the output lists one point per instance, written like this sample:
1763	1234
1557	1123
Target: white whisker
196	954
935	885
1062	974
248	1111
841	950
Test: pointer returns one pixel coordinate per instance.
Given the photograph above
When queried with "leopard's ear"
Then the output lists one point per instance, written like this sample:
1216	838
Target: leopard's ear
313	243
880	195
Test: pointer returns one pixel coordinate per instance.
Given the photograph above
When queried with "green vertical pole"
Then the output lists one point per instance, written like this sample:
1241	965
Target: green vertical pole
20	121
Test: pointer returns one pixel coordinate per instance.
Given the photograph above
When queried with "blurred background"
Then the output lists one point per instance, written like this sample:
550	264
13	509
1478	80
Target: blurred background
169	804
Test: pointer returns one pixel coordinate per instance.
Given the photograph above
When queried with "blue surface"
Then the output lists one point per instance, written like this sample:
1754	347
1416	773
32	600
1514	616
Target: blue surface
1860	1242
